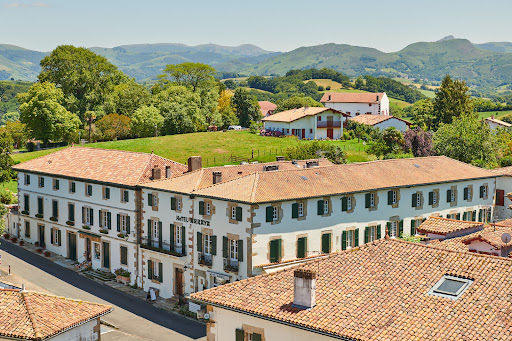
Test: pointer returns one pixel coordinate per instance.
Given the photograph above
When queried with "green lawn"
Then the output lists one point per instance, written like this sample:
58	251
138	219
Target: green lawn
497	114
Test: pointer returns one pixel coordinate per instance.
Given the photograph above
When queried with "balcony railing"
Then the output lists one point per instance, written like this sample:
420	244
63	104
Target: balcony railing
328	124
205	259
231	265
163	247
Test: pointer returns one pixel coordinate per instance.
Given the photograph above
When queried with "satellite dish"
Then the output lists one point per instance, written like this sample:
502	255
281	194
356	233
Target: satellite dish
206	316
505	237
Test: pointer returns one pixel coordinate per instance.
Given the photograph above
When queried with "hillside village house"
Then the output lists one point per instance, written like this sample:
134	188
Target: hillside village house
503	202
267	108
355	104
494	123
382	121
237	221
443	228
83	203
313	123
384	290
35	316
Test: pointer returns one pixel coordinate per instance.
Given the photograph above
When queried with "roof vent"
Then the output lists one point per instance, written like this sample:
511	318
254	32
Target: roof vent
311	164
280	158
269	168
195	163
217	177
450	287
304	287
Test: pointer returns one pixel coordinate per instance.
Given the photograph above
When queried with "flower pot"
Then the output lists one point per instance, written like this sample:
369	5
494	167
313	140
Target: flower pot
123	278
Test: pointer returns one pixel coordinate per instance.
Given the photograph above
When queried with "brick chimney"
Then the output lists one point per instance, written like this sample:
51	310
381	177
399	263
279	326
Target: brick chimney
195	163
304	287
217	177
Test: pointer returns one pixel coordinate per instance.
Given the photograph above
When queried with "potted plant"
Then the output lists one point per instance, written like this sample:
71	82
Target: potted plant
36	243
14	239
39	215
122	274
86	227
47	253
104	231
22	242
54	218
39	250
70	223
25	212
6	236
122	235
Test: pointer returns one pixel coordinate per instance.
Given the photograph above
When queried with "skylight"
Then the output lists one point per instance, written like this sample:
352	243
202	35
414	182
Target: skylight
450	287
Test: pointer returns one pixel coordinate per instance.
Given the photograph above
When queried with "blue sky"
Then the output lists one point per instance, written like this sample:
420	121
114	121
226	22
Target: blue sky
277	25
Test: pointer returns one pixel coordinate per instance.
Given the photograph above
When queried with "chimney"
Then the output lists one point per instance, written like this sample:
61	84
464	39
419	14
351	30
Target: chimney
155	173
168	171
195	163
279	158
304	287
269	168
329	98
217	177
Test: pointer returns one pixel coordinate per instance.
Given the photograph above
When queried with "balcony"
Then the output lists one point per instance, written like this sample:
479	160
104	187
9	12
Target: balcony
328	124
205	259
163	247
231	265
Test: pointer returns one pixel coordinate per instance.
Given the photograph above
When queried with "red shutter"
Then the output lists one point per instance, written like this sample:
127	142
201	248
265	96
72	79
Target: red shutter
303	133
500	197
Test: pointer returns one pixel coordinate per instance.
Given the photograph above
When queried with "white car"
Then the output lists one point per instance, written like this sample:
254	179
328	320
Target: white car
235	128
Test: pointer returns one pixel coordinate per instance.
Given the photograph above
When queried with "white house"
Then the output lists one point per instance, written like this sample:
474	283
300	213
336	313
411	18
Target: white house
382	121
83	203
229	223
503	203
494	123
355	104
35	316
384	290
313	123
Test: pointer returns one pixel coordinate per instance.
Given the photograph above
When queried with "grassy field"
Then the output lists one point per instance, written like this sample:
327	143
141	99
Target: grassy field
325	83
497	114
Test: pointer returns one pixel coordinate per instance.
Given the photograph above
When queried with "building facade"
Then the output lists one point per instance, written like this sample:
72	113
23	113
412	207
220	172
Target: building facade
382	122
355	104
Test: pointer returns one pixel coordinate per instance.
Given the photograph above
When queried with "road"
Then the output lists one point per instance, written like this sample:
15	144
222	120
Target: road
136	319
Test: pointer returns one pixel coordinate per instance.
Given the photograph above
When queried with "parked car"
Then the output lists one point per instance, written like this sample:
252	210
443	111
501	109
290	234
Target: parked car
235	128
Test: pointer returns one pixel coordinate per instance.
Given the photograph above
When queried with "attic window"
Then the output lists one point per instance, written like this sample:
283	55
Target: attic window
450	287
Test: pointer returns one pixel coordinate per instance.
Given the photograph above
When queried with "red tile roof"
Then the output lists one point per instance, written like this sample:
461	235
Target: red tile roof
379	292
371	120
506	171
266	105
348	97
443	225
104	165
36	316
295	114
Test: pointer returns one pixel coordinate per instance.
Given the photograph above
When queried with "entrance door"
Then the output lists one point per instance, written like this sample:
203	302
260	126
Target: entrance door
178	279
72	246
88	249
303	133
330	133
41	235
106	255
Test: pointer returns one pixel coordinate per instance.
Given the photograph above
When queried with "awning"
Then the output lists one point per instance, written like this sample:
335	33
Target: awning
219	275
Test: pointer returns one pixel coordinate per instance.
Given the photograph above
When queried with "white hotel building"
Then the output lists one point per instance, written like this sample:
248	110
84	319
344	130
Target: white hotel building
209	226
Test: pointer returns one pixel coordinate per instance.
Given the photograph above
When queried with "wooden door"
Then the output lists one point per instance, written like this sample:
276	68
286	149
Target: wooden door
72	246
178	279
106	255
41	235
88	249
303	133
330	133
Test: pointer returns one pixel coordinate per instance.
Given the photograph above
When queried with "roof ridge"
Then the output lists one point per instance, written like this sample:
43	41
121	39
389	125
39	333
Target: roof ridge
254	186
459	221
200	177
37	333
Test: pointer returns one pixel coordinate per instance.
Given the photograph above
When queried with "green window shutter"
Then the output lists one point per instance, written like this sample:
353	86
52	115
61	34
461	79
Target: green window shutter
275	250
225	247
239	335
73	187
431	198
214	245
465	216
401	228
150	269
473	216
238	214
149	231
127	224
449	195
466	193
171	239
344	204
256	337
240	244
40	205
26	206
91	216
161	272
199	242
99	218
160	234
295	210
150	199
118	222
390	197
301	247
388	227
480	215
489	213
378	231
71	212
413	227
107	193
59	234
482	188
414	199
57	184
201	207
344	240
109	220
326	243
173	203
84	212
320	207
279	252
183	241
458	216
356	237
55	208
125	196
270	213
42	182
367	200
51	235
366	234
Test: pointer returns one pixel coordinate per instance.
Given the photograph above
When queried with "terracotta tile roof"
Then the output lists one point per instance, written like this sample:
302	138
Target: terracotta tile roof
266	105
501	123
288	184
506	171
379	292
372	120
36	316
104	165
443	225
295	114
348	97
491	235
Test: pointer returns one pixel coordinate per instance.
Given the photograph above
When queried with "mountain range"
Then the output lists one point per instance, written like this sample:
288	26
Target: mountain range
481	65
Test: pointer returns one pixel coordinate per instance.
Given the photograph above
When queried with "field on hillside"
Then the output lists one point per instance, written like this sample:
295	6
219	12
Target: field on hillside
497	114
325	83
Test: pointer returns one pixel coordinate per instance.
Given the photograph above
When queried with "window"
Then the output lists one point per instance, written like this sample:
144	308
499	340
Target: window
155	230
346	204
349	239
207	244
106	193
88	190
302	247
55	236
178	236
392	197
71	212
434	198
124	255
275	213
372	233
97	250
483	192
153	200
301	209
236	213
124	195
55	209
326	206
72	187
500	197
40	181
233	250
450	287
27	228
124	224
26	203
27	179
468	195
326	243
87	216
393	229
40	207
208	209
55	184
178	204
322	207
369	200
106	219
155	271
450	195
233	213
275	251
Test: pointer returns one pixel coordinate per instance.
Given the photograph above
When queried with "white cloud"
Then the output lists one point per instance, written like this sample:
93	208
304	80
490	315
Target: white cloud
25	4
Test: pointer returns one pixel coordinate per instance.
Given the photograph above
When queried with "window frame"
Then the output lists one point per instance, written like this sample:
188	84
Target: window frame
207	244
122	223
372	233
233	212
72	187
434	291
178	203
121	255
349	243
372	199
300	209
154	231
207	209
40	181
233	250
326	206
434	198
393	228
275	213
418	199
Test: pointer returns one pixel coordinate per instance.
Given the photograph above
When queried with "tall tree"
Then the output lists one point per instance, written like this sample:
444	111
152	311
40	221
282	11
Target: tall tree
226	110
41	110
247	107
84	77
452	100
423	114
147	121
18	132
418	142
188	74
114	126
297	102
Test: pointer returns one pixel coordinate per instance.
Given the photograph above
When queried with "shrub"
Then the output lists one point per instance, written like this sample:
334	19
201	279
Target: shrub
505	161
31	146
274	133
321	88
327	88
255	127
6	236
122	272
14	239
39	250
22	242
6	197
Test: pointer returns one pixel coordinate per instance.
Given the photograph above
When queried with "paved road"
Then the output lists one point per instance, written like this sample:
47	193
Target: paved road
136	319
